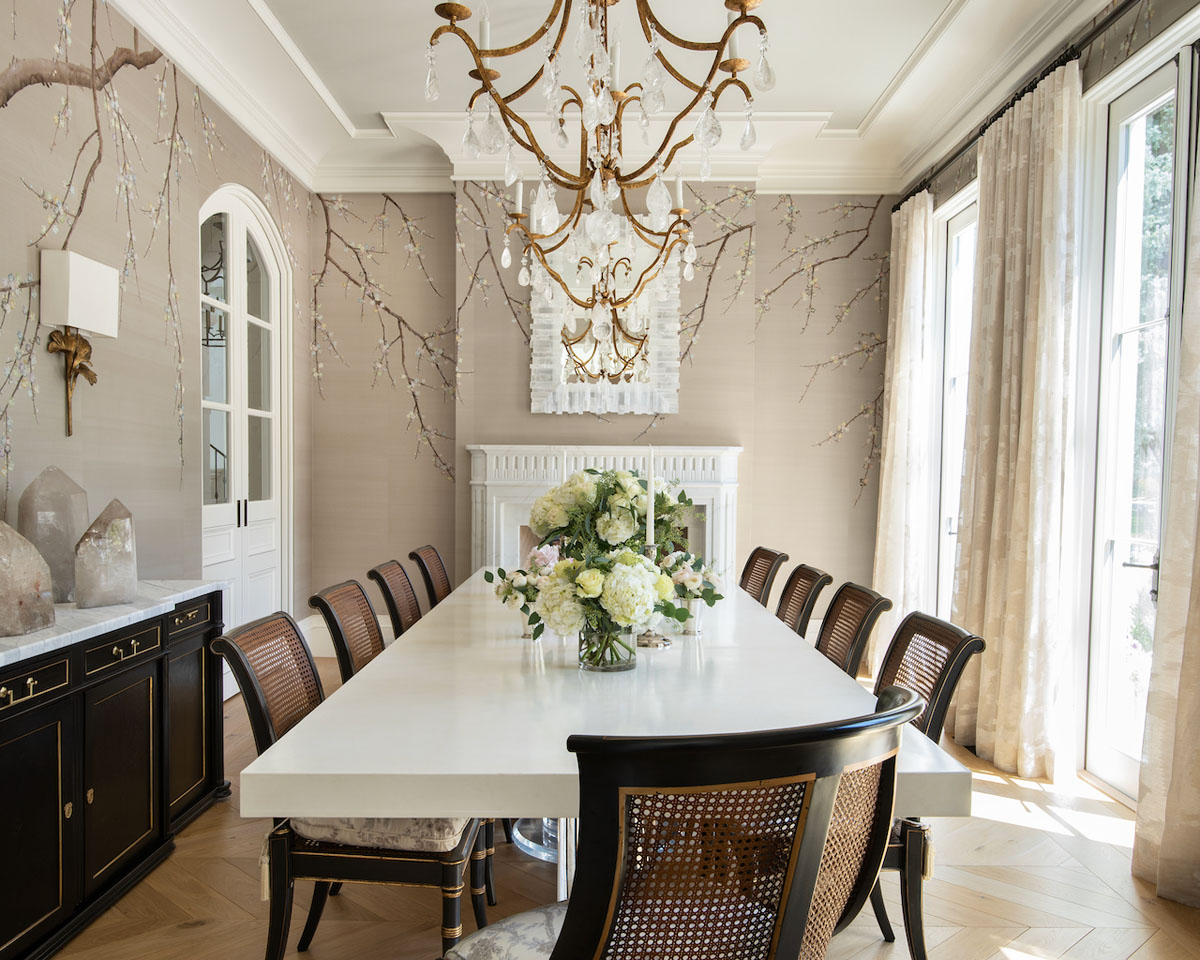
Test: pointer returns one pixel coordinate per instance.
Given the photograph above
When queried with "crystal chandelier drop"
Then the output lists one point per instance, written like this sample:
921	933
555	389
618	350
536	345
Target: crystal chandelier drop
585	254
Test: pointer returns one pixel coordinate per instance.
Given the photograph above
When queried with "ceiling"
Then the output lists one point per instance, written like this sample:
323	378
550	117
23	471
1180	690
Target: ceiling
869	92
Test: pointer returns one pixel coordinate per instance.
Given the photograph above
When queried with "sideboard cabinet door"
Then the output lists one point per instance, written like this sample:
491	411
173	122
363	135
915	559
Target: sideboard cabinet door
39	882
188	680
120	773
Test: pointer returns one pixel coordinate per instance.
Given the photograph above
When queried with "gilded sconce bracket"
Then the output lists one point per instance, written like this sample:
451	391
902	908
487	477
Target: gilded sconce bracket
77	353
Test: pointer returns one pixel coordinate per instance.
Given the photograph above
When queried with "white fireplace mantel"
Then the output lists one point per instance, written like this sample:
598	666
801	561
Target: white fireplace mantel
506	479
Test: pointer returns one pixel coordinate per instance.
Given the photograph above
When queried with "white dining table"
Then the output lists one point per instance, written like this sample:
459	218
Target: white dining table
460	716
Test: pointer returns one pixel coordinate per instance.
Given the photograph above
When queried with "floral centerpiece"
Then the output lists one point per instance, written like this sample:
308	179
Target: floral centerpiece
693	580
606	599
519	589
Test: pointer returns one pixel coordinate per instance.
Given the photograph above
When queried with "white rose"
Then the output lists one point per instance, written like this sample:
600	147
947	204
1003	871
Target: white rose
515	601
519	580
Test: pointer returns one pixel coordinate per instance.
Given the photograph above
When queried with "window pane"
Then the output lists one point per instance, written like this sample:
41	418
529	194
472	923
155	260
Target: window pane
258	367
258	283
260	457
215	346
1130	645
1141	368
216	456
212	257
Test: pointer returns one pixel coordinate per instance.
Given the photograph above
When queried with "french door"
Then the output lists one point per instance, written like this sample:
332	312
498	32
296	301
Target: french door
240	307
1144	185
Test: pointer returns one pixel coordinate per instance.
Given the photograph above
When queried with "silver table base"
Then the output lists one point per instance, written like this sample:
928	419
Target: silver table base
552	841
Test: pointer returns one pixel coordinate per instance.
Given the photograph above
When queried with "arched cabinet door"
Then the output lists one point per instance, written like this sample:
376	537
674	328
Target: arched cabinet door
242	316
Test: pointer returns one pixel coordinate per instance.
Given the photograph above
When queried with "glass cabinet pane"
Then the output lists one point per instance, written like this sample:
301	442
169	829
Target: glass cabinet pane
213	268
217	464
258	367
259	453
258	283
215	346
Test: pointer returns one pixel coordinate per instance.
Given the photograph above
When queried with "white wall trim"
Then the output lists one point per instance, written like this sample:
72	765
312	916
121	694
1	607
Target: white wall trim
980	99
181	46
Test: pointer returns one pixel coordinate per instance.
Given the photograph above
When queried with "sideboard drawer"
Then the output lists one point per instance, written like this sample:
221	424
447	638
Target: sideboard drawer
190	615
113	652
20	688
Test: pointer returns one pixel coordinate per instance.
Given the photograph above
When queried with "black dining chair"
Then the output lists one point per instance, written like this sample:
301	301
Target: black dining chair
752	845
758	575
398	595
280	687
848	623
799	597
927	655
433	572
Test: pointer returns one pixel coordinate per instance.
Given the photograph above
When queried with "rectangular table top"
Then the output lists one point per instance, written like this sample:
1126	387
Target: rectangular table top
462	717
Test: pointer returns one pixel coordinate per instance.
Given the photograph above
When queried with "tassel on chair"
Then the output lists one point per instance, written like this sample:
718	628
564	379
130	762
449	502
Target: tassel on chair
927	863
264	869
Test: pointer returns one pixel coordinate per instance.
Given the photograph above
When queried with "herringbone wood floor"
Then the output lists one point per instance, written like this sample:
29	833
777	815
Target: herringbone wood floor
1036	873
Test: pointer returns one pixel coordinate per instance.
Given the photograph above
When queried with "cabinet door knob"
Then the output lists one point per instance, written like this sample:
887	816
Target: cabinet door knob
5	692
68	810
118	652
91	796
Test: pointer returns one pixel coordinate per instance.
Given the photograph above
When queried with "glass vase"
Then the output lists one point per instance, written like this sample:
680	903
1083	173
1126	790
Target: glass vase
526	629
607	652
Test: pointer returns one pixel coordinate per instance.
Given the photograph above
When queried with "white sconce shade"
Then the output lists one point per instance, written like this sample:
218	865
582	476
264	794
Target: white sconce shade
81	293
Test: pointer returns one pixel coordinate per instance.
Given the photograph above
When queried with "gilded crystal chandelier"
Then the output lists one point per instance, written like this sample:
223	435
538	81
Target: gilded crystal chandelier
586	256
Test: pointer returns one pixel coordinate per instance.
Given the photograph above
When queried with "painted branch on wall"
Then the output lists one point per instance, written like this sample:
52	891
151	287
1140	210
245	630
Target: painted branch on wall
107	129
409	357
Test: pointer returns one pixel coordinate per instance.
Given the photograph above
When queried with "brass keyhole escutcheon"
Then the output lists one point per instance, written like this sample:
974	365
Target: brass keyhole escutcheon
91	796
68	810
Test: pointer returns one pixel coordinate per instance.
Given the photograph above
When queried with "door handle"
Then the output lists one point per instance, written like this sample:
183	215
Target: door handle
1153	579
246	512
239	514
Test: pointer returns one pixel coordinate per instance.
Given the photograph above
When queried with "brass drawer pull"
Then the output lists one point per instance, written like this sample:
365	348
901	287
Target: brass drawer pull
191	615
30	684
118	652
5	692
134	644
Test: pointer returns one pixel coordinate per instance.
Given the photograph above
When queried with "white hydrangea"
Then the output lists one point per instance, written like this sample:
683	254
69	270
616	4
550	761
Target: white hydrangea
629	594
578	491
546	514
559	607
616	528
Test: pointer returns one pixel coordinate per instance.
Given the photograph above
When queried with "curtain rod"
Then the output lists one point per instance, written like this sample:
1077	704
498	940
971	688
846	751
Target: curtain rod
1073	51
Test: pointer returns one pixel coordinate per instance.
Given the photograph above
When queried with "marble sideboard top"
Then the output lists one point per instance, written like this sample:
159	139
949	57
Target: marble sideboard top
154	597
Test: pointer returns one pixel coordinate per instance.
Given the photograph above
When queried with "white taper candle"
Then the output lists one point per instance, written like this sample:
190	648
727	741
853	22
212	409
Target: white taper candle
733	37
614	68
650	499
485	33
679	193
520	195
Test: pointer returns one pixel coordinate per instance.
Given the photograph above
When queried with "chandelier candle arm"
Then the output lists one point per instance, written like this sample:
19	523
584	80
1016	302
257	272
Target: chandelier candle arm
594	237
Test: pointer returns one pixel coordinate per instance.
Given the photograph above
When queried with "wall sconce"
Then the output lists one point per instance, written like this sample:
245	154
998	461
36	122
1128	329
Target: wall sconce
78	295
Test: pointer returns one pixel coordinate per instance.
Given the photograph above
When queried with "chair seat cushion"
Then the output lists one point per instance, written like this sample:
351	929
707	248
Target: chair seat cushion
421	835
525	936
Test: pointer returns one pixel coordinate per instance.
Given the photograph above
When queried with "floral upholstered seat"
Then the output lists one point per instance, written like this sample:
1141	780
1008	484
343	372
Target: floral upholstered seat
525	936
424	834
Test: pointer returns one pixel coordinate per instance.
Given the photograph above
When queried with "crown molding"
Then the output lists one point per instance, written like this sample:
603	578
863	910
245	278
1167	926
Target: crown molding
828	179
384	178
180	45
980	99
288	45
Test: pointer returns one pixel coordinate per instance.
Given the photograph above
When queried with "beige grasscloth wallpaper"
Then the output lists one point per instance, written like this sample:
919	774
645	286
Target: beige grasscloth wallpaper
415	343
127	440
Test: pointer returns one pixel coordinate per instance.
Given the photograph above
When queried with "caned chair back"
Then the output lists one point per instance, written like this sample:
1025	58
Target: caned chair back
275	672
799	596
433	572
747	845
398	595
848	623
928	655
758	574
352	624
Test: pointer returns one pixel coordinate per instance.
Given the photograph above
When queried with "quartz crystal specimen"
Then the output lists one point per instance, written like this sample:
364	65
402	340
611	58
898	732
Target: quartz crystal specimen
26	602
52	513
106	561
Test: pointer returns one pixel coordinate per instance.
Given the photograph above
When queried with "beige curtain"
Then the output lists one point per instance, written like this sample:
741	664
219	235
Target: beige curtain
906	532
1166	848
1011	569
